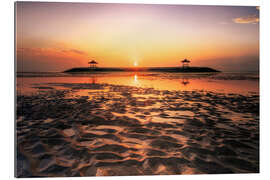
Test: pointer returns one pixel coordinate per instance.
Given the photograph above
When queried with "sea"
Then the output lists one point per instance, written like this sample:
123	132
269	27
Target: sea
224	82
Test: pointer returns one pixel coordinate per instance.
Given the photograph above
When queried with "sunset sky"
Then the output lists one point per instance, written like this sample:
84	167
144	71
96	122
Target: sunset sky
59	36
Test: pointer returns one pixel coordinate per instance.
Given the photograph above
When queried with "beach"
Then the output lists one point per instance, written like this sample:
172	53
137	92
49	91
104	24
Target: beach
115	124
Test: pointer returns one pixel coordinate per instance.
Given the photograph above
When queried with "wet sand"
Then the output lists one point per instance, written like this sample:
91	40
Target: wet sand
82	129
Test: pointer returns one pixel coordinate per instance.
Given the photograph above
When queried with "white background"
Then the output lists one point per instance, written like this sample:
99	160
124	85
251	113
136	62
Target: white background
7	89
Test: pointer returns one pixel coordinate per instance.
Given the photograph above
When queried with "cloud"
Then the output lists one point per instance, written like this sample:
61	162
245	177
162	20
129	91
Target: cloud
52	52
74	51
251	19
49	59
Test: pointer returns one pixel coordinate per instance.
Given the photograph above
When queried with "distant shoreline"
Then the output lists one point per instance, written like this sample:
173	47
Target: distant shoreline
136	69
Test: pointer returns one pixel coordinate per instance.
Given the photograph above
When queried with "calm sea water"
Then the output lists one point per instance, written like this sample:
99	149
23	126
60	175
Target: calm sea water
240	83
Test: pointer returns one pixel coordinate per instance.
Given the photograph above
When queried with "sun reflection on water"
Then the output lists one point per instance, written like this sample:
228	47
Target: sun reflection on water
135	78
145	80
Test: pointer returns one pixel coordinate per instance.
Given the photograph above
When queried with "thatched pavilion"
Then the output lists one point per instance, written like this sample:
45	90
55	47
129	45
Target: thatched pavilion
92	64
185	63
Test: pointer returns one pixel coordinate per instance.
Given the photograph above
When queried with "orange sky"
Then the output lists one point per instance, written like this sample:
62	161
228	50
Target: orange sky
58	36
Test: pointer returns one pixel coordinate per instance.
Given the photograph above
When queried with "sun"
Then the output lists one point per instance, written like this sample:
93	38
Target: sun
135	63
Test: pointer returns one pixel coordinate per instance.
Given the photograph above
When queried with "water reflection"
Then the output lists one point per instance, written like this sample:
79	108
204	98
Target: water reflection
93	79
135	78
159	81
185	81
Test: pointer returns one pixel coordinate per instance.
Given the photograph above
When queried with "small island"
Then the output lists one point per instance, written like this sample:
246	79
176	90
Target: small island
184	69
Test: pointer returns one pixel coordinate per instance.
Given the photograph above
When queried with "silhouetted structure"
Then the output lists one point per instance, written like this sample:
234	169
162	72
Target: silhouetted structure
92	64
185	63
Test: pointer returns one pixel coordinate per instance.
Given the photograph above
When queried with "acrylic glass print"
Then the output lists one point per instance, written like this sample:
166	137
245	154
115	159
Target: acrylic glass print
136	89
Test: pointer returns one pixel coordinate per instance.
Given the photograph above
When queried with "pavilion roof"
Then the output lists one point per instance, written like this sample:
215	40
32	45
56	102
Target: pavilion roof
92	62
185	60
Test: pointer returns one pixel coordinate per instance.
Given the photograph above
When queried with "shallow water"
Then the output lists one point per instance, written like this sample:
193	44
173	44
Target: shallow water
242	83
137	124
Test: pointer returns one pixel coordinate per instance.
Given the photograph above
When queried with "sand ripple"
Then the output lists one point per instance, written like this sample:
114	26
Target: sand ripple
124	130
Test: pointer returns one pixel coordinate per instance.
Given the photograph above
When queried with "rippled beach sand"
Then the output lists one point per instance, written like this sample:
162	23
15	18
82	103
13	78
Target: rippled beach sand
84	129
